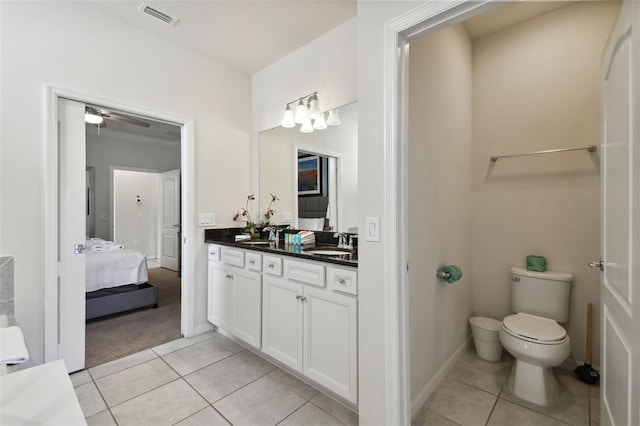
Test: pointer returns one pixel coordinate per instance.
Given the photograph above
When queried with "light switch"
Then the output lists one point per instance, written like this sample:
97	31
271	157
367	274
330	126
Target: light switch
139	215
287	217
206	219
372	229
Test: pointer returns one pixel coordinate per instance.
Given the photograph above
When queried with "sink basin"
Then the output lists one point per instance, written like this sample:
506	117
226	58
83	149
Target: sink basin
255	242
329	251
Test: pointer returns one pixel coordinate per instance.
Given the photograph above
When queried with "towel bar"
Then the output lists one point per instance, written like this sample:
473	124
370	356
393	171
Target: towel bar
590	148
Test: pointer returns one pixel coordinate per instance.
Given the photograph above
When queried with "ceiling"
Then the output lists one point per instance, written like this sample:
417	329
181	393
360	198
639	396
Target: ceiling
157	132
507	15
248	35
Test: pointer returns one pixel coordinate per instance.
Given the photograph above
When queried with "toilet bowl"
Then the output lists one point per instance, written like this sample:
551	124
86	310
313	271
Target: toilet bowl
537	344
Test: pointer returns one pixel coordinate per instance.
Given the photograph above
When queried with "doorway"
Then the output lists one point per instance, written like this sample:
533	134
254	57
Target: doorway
61	322
317	189
417	22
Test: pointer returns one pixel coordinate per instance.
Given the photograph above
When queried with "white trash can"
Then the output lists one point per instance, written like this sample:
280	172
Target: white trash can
486	337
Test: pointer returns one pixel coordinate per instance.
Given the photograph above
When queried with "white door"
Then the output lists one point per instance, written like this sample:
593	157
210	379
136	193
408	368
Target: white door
620	301
72	227
170	220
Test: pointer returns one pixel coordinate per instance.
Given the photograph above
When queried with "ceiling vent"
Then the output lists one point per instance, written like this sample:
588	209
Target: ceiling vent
145	8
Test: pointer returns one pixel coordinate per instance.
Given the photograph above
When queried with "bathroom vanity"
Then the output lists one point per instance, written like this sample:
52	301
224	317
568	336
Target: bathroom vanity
293	307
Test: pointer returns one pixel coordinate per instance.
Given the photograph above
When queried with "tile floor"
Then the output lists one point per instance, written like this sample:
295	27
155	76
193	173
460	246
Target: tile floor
211	380
474	392
205	380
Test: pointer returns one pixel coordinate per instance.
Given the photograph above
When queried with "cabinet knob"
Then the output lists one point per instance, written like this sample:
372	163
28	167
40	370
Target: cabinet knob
253	262
341	281
271	266
229	277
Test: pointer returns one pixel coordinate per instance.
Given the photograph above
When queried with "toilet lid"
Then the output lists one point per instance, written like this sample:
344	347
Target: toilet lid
534	327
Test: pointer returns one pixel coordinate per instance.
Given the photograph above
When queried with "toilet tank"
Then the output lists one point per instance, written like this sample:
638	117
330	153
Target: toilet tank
545	294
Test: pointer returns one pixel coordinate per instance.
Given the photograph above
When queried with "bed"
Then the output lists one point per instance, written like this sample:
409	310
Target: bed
312	212
116	279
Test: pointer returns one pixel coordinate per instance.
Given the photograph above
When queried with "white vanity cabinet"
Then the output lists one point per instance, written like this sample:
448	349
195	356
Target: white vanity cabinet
310	328
282	321
300	313
220	295
247	306
235	293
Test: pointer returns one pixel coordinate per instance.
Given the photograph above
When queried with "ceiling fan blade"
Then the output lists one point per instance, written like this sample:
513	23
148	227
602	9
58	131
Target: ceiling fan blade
125	119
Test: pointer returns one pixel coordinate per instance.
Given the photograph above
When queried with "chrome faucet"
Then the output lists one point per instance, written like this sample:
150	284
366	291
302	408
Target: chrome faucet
351	238
272	233
341	236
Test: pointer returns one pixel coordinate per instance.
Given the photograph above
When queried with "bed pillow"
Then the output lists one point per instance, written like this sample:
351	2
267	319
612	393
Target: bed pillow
311	224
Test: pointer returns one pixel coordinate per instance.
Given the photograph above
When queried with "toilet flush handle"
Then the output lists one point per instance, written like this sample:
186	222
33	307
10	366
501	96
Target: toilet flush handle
515	278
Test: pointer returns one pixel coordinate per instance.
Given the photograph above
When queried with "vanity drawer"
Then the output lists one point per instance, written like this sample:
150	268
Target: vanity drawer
233	257
304	272
342	280
214	253
254	261
273	265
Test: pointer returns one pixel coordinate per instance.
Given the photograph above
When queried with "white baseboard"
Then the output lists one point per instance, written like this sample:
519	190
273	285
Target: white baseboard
200	329
424	394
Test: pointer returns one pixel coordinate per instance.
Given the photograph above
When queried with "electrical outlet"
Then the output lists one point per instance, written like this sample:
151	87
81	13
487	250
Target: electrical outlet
206	219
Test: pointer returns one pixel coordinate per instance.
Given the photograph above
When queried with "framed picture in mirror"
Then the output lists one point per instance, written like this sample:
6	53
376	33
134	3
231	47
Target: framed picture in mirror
309	175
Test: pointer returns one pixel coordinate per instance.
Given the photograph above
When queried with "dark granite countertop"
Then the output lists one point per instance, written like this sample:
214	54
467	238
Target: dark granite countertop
226	237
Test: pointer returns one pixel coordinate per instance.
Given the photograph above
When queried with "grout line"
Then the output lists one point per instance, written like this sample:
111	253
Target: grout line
124	369
341	422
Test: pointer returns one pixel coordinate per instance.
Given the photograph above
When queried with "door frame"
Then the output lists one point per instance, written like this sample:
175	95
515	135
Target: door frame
187	140
297	147
426	18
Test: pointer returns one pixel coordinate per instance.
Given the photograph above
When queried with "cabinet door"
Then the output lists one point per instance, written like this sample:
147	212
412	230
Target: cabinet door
330	341
282	321
220	303
247	306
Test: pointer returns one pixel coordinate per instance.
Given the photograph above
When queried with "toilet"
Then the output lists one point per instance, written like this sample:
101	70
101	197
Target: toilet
533	336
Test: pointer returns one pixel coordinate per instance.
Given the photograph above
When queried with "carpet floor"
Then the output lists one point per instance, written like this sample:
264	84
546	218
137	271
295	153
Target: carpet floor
115	336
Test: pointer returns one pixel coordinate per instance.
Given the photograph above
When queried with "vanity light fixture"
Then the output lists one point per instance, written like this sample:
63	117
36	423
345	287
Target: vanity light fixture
334	118
308	110
287	120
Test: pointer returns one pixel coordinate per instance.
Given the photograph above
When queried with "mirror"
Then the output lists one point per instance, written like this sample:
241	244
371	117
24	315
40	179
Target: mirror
314	175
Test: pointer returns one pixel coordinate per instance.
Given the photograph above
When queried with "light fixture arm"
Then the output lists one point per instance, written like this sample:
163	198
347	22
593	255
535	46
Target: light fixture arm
305	97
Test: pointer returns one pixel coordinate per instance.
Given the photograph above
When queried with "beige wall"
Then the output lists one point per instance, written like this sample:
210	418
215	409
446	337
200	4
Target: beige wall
375	364
536	85
67	45
118	150
439	196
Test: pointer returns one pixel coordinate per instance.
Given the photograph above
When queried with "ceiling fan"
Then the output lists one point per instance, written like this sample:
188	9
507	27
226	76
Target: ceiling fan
98	117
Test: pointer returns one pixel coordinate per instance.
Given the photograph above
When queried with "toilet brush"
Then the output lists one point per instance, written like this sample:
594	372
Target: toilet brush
585	372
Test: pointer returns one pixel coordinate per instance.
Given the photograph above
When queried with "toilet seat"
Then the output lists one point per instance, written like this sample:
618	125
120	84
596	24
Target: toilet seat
534	329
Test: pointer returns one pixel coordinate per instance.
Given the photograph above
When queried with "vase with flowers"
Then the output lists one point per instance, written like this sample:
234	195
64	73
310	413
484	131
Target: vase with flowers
250	227
268	214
